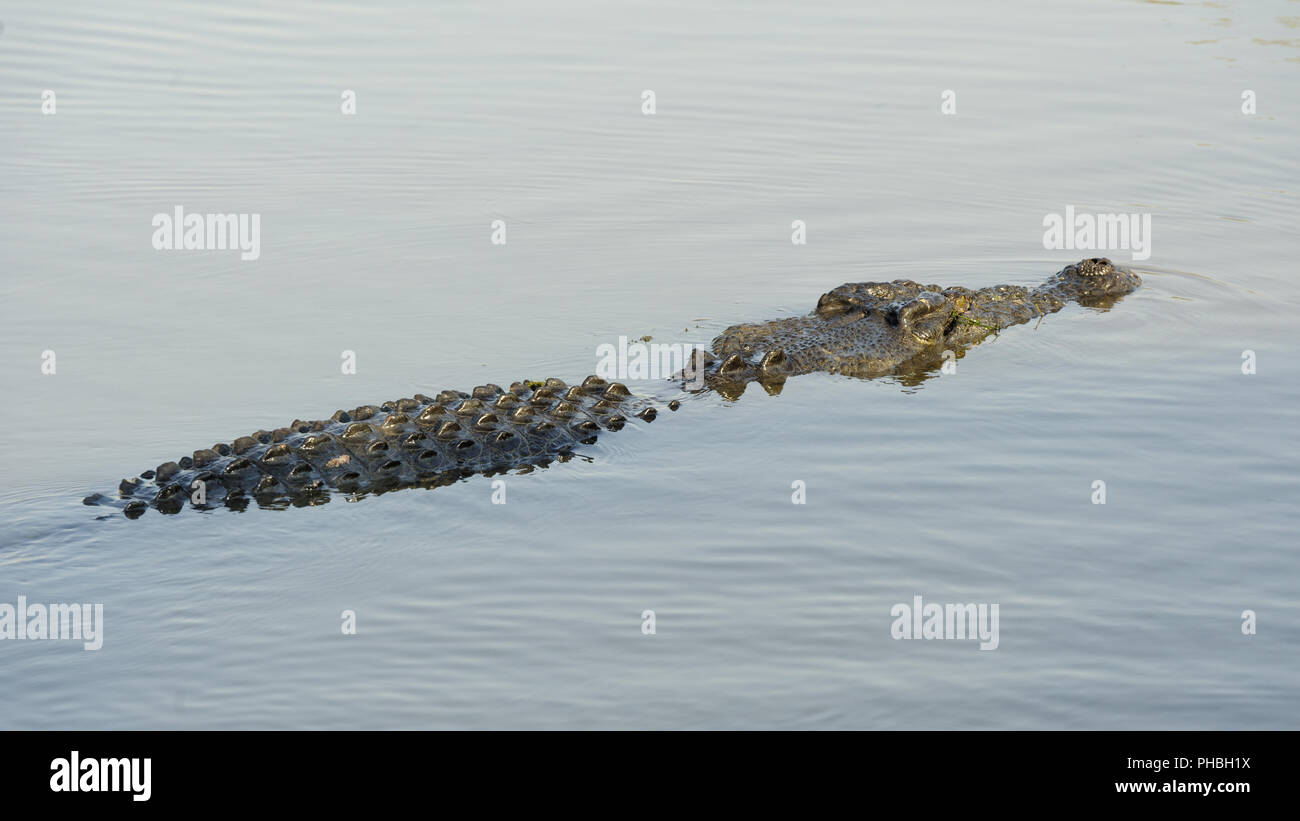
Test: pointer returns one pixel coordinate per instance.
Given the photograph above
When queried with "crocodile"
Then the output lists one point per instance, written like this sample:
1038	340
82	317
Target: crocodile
866	329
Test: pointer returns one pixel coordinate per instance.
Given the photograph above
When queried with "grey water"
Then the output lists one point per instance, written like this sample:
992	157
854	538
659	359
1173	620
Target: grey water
975	486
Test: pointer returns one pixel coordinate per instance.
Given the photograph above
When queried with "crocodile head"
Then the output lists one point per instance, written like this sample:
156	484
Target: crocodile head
870	329
1094	283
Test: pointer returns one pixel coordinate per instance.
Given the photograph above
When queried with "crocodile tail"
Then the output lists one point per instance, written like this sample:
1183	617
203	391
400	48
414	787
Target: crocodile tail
420	441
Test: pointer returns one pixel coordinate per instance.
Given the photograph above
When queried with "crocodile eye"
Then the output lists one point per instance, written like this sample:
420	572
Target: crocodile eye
832	305
903	313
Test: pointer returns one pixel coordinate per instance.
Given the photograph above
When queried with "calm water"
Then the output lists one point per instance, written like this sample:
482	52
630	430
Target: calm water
974	486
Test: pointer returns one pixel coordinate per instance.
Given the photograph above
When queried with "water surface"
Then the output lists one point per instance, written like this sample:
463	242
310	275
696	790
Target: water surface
974	486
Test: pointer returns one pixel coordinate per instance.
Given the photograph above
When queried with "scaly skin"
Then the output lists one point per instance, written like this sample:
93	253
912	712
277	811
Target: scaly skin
863	329
872	329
